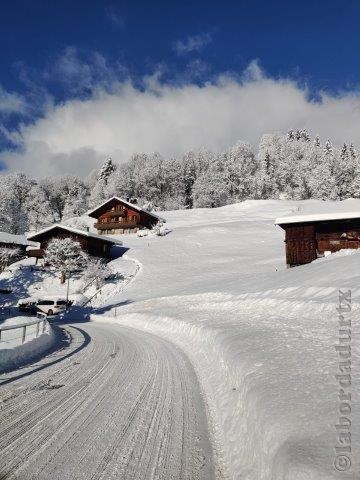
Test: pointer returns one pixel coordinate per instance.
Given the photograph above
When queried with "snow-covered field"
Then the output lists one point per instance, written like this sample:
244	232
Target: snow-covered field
260	336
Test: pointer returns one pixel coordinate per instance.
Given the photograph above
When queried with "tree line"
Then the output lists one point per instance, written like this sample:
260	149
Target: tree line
290	166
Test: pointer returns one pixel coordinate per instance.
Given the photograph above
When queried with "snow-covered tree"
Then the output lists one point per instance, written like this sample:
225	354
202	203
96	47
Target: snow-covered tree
209	190
76	201
97	271
38	209
345	166
238	168
317	142
8	255
107	169
103	185
14	192
65	255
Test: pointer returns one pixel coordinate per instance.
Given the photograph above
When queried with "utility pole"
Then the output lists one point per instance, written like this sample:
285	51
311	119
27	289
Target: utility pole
67	291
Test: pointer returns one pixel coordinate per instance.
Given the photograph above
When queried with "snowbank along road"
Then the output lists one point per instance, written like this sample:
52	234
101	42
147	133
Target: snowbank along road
114	403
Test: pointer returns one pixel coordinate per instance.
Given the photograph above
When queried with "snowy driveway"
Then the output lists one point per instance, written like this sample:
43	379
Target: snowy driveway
115	403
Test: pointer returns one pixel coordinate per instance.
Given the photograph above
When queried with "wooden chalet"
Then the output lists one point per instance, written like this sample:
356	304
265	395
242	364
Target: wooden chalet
118	216
308	237
91	243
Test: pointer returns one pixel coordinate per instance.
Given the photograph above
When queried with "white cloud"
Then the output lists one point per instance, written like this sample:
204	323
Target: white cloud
193	43
77	136
114	17
11	103
81	71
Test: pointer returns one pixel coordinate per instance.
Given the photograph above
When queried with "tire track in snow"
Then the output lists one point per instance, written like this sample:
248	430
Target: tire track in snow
126	406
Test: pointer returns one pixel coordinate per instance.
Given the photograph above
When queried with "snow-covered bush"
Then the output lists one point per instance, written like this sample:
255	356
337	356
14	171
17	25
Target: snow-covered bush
97	271
66	256
160	230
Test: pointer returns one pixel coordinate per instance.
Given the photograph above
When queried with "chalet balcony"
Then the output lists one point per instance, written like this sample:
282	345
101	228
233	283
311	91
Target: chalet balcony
115	225
119	213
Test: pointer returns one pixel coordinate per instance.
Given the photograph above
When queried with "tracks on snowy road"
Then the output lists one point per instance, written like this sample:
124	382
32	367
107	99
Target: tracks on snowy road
116	403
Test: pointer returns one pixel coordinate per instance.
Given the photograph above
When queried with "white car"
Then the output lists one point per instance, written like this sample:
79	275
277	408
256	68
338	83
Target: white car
51	306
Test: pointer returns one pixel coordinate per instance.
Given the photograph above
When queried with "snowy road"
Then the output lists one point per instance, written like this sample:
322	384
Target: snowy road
115	403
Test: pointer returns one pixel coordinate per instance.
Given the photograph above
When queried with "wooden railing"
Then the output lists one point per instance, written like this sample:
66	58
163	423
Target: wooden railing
115	225
119	213
40	327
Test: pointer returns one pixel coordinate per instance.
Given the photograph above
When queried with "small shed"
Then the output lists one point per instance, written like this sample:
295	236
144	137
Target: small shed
95	245
9	240
118	216
308	237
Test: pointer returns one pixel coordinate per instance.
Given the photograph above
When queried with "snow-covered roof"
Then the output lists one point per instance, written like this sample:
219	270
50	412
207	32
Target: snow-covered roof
317	217
15	239
130	205
77	231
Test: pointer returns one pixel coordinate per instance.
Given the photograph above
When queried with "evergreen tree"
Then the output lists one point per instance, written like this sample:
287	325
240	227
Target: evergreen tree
107	169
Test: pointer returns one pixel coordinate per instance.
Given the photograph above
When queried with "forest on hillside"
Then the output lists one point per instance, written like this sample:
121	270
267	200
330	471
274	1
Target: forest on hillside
291	166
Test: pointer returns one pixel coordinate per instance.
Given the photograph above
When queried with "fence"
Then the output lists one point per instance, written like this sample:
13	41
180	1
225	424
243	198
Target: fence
23	332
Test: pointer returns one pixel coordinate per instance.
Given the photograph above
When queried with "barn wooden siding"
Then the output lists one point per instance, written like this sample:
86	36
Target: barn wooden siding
300	244
307	241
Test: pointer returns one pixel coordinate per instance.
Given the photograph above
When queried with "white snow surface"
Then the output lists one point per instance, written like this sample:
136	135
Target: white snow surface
261	337
115	403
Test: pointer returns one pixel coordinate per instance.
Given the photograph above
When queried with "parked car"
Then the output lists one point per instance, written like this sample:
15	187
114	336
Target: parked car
27	305
51	306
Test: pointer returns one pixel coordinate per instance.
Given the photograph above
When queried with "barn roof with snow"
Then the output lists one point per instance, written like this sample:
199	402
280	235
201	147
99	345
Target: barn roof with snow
317	217
81	233
11	239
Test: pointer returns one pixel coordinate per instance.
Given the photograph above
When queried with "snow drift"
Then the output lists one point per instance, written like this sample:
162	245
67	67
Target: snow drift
260	336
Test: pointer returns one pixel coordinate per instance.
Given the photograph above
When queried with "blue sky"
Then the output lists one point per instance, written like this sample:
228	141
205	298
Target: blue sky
54	53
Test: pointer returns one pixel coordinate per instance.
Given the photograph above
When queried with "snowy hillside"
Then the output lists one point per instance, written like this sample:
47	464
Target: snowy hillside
261	336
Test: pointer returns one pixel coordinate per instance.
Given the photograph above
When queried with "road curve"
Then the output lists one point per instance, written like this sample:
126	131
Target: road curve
114	403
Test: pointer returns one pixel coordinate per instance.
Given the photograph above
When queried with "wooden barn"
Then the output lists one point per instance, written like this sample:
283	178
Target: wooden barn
308	237
118	216
91	243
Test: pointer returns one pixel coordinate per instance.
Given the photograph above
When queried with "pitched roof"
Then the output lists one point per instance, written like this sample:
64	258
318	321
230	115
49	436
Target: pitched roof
74	230
12	239
130	205
318	217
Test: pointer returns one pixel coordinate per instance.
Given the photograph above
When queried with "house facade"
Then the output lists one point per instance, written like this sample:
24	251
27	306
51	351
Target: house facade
92	244
118	216
308	237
